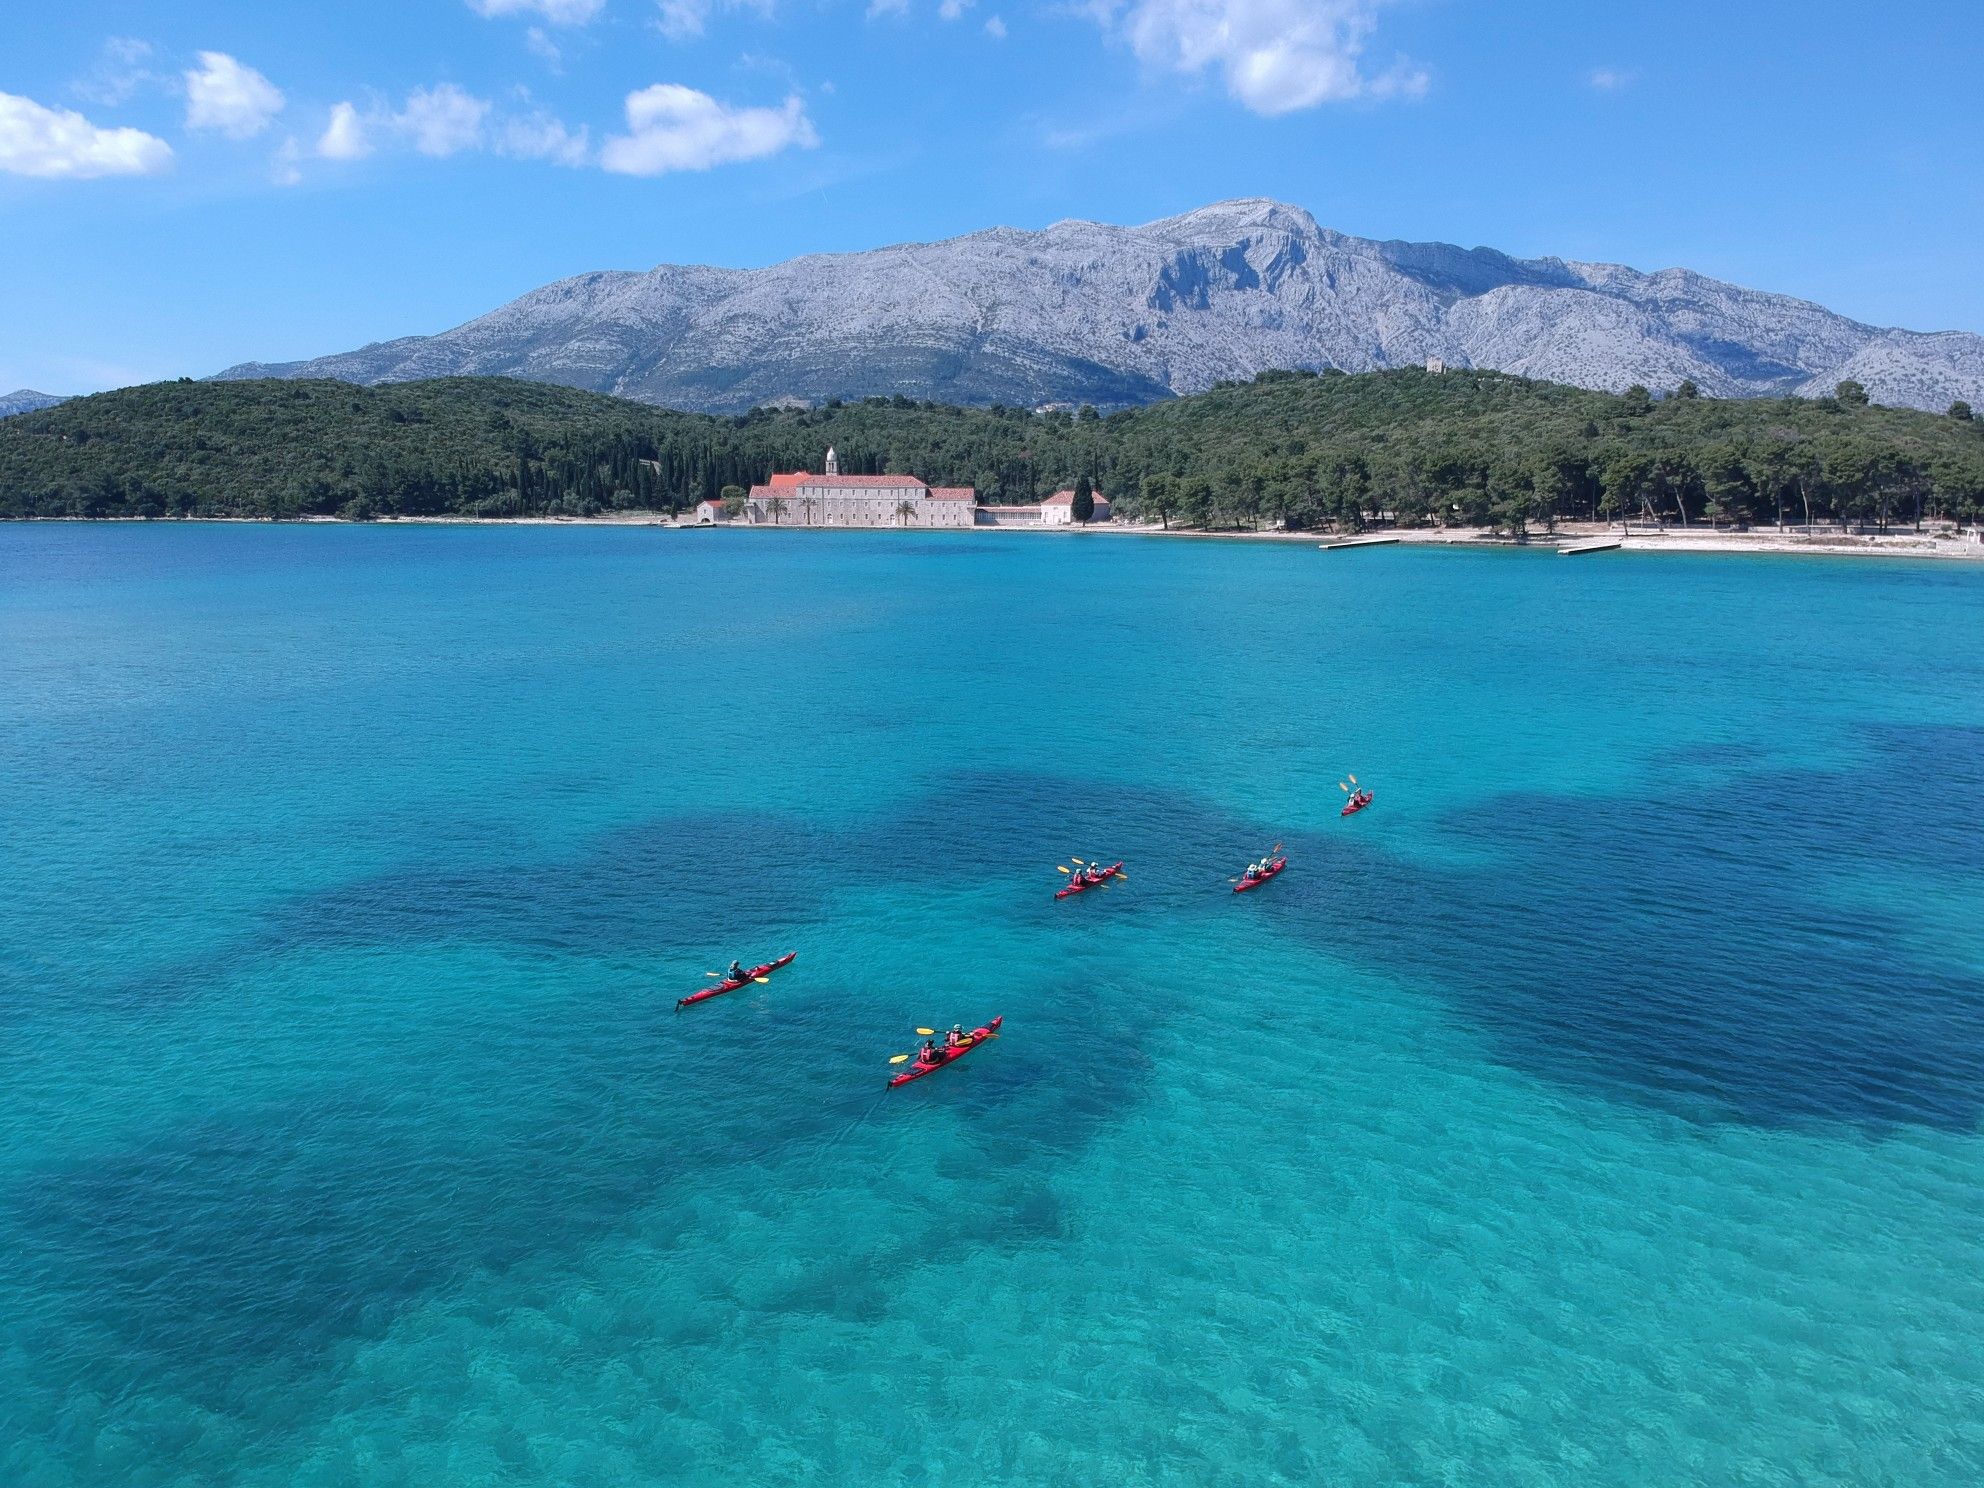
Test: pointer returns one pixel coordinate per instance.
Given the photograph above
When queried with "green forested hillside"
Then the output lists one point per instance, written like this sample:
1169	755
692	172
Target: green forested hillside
1303	448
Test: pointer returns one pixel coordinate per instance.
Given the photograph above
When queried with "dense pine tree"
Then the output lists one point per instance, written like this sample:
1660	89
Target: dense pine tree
1290	448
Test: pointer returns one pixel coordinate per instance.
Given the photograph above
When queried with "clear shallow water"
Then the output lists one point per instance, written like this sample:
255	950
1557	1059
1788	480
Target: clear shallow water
1602	1107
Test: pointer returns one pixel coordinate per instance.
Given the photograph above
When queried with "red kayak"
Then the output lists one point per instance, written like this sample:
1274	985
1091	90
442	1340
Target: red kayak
1088	883
1356	804
944	1056
1254	883
731	984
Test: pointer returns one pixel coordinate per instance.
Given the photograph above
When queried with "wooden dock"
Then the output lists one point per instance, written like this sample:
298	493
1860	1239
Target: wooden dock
1356	542
1595	545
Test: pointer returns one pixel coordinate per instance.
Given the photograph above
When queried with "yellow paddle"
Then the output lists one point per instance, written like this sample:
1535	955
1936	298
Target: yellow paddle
927	1032
897	1058
766	980
1073	859
1063	867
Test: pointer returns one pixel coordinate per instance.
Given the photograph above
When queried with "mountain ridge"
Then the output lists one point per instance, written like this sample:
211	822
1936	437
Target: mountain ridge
27	400
1088	312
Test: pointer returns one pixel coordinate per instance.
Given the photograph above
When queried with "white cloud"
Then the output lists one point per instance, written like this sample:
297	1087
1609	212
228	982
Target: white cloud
995	28
539	136
673	128
683	20
229	96
537	40
951	10
442	120
557	12
119	72
1275	56
1609	79
59	144
348	136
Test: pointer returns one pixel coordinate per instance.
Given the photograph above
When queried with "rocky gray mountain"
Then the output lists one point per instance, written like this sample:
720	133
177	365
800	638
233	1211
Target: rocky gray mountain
1087	313
26	400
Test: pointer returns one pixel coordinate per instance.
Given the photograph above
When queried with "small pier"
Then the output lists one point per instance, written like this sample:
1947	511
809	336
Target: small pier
1595	545
1357	542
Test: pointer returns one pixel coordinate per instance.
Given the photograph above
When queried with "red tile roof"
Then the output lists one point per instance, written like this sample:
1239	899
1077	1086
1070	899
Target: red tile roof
864	482
953	493
791	479
1067	498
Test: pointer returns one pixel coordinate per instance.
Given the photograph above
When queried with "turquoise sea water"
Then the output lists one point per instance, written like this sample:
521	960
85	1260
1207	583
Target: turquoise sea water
1604	1106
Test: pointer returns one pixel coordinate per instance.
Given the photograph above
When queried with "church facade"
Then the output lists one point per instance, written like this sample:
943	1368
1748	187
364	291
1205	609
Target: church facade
830	499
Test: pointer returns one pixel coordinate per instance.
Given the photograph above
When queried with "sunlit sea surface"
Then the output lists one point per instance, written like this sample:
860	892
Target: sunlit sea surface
1602	1107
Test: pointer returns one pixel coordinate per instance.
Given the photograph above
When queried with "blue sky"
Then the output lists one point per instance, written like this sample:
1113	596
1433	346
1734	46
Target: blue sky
187	186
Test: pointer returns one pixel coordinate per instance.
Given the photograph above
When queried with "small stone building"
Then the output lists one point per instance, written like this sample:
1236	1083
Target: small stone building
1058	510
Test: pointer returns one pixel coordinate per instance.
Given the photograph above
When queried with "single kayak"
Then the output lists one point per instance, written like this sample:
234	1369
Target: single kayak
1088	883
1254	883
731	984
1356	804
944	1056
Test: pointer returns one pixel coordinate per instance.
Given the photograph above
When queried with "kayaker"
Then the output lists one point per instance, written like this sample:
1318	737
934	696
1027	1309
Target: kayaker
955	1036
736	973
928	1053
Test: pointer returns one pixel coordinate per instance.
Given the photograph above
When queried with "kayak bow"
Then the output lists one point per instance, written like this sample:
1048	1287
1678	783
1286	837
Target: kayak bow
1086	884
944	1056
731	984
1254	883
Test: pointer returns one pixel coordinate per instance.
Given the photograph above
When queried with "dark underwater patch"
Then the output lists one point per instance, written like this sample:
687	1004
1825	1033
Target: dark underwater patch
267	1236
1681	952
1684	948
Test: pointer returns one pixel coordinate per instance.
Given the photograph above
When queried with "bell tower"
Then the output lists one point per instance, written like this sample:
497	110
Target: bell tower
833	461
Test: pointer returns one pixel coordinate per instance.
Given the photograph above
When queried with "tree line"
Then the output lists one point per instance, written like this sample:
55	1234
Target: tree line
1300	449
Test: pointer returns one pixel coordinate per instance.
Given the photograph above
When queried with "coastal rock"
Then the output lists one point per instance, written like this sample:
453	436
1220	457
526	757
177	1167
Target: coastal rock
1083	312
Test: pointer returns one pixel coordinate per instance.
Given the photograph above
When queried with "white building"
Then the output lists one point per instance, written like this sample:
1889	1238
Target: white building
709	511
802	499
1058	510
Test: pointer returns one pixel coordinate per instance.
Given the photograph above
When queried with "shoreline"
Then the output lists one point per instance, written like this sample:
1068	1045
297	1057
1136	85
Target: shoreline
1686	540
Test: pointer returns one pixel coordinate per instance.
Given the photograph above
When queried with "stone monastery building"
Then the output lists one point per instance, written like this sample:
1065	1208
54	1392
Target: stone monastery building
802	499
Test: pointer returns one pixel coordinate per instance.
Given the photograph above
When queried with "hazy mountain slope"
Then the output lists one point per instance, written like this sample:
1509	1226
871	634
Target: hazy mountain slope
27	400
1084	312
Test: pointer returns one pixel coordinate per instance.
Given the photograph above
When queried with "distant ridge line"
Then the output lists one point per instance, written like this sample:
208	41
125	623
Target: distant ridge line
1088	313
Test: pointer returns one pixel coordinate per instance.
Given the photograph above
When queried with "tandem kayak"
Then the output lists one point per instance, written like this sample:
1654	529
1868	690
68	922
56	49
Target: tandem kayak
944	1056
1356	804
1088	883
730	984
1254	883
